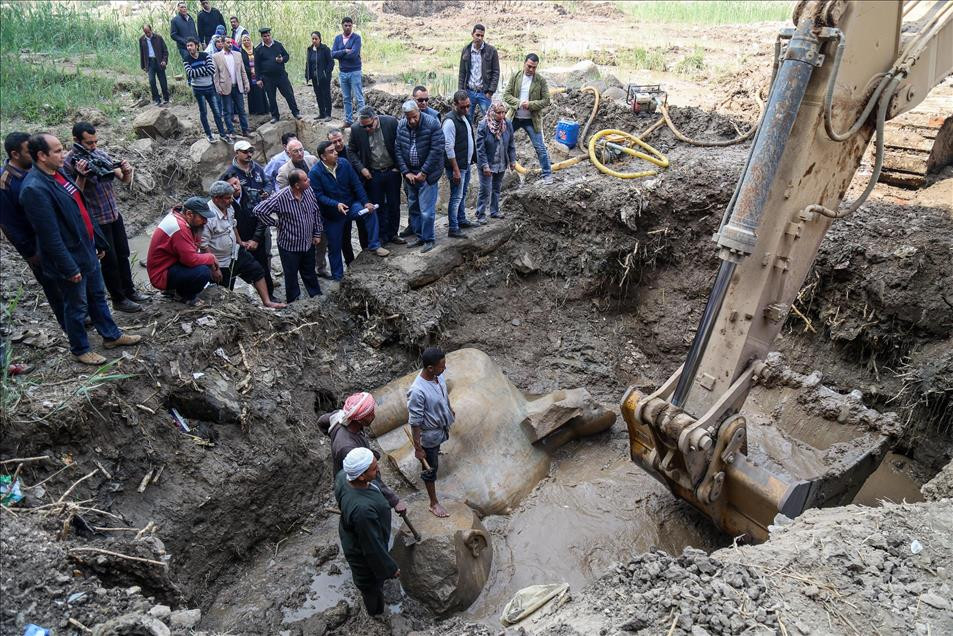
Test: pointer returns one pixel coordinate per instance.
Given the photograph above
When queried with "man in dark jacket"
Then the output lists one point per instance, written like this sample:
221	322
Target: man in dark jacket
342	199
182	28
208	20
364	528
70	246
153	58
318	67
460	148
420	155
255	235
13	219
372	153
479	71
270	60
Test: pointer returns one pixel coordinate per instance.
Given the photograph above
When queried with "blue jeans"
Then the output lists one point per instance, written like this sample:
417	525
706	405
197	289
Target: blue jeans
187	282
294	263
351	86
235	103
537	139
334	229
478	97
209	95
88	296
457	208
489	194
422	201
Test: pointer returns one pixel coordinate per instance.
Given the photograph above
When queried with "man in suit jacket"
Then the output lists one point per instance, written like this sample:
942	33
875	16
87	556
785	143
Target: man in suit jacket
70	244
373	156
232	84
153	58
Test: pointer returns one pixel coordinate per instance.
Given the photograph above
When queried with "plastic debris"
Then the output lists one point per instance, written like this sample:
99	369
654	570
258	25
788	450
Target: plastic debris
9	493
36	630
180	422
530	599
916	547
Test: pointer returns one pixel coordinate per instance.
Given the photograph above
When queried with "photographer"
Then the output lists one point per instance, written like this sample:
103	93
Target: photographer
94	172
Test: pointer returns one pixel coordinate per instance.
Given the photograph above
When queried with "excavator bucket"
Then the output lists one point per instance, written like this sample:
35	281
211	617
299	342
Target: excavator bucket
798	445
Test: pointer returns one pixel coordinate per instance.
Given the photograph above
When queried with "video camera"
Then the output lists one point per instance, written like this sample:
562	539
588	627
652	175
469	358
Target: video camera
98	164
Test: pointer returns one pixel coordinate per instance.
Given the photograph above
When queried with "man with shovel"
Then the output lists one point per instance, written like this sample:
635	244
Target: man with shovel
347	429
364	528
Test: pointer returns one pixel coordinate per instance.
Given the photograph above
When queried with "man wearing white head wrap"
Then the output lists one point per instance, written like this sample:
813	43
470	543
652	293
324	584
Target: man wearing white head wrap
347	428
364	527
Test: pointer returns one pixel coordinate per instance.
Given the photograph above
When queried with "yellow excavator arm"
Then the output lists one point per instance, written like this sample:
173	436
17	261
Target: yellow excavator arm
839	75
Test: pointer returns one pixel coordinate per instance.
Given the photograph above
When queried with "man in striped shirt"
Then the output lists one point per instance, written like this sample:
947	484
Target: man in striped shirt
200	70
294	211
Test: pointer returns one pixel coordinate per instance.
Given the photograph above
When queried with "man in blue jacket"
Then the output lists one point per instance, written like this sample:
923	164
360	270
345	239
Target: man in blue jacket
70	246
181	28
420	154
342	199
347	51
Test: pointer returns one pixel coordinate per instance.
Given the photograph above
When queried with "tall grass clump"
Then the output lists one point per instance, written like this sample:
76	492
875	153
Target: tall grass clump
709	11
47	94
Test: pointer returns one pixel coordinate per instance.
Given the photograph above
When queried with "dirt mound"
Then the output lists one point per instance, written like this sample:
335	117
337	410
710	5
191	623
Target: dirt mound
421	8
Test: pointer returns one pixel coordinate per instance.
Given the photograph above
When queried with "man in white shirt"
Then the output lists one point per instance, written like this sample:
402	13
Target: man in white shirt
527	96
232	84
460	147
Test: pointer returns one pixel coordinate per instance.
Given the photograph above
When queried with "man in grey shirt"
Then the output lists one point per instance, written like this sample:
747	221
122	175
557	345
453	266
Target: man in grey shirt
430	418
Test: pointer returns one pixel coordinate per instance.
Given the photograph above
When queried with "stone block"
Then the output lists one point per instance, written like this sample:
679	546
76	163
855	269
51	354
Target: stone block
184	620
156	123
212	159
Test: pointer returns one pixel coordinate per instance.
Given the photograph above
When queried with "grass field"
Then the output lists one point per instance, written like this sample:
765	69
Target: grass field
708	11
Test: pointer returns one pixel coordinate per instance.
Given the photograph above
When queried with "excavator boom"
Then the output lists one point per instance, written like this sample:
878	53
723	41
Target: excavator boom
840	74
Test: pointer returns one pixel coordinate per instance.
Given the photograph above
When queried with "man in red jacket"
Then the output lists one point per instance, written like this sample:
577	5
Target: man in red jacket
174	262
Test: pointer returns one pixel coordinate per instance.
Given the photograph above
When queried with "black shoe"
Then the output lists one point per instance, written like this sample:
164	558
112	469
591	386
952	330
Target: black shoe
165	102
127	306
466	224
406	232
138	297
498	216
227	139
245	133
398	240
429	245
274	120
210	138
456	234
418	243
324	275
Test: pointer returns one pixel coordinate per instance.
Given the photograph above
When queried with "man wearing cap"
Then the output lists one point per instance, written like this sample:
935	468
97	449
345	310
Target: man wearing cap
294	211
364	527
342	199
270	60
250	173
430	419
221	239
254	235
232	84
347	428
174	262
420	154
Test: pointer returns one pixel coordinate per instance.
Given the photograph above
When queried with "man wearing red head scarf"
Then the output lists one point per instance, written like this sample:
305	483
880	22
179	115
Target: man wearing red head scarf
347	429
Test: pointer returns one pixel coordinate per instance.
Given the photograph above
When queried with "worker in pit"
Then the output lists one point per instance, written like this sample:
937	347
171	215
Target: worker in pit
364	528
430	418
347	428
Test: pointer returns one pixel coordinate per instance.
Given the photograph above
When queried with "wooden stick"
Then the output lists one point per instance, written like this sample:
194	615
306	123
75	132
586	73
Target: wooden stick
146	479
117	554
76	623
37	485
149	528
671	630
104	529
410	436
103	469
75	484
23	460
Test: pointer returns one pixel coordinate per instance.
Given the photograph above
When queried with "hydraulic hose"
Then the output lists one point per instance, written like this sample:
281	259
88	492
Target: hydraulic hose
713	144
655	157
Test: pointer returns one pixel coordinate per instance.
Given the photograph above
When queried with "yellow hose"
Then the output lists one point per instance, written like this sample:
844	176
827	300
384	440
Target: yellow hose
655	157
562	165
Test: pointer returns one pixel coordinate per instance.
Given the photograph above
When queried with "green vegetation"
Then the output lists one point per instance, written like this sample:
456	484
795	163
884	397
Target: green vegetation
709	11
691	64
640	58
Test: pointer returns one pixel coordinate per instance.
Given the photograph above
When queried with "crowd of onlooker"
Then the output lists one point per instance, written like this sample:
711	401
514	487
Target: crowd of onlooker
58	207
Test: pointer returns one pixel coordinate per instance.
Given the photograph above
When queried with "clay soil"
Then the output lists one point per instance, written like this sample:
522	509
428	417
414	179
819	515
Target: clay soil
593	282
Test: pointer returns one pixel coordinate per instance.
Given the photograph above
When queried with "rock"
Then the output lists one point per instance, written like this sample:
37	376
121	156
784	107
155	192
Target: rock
575	76
135	589
524	264
312	133
161	612
94	116
156	123
138	624
212	159
447	568
337	615
935	600
269	136
615	93
143	145
546	415
184	620
216	402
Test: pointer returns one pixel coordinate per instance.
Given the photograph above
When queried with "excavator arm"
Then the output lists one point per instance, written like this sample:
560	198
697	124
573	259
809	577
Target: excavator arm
843	71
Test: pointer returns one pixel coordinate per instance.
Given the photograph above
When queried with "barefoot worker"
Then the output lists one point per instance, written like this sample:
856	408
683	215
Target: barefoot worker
347	429
364	528
431	417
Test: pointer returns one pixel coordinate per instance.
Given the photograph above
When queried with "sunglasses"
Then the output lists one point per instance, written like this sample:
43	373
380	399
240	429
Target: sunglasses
367	126
246	150
423	100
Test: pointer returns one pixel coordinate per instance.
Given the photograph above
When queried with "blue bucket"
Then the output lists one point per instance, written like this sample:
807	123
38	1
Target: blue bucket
567	133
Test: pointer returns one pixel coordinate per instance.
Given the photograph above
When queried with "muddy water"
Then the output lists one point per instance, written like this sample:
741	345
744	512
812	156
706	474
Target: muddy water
596	508
895	481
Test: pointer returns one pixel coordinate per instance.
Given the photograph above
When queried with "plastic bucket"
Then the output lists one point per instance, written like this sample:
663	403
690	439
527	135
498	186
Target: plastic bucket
567	133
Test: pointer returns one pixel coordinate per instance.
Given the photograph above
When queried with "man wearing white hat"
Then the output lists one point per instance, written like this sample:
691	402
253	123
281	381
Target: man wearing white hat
364	528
